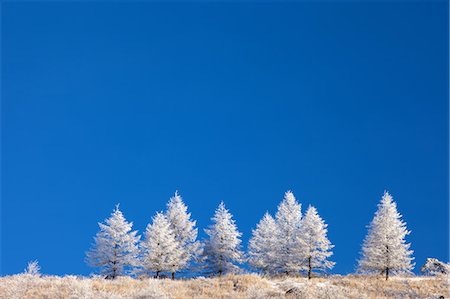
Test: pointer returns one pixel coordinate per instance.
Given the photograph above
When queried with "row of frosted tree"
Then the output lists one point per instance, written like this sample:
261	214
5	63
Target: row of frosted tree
288	243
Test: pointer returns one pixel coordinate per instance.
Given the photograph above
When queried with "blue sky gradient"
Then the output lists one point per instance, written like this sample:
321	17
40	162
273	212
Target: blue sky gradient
127	102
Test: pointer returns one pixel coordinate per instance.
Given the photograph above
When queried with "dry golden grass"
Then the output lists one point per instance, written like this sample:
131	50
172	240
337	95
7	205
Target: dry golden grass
230	286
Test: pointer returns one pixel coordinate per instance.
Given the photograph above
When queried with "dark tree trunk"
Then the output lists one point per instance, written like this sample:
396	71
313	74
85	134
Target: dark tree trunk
309	267
388	262
220	266
173	275
114	274
157	274
115	262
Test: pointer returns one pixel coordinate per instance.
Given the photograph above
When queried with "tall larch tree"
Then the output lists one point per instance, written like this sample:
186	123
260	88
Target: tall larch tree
261	248
385	250
314	242
288	249
160	250
115	250
222	252
184	230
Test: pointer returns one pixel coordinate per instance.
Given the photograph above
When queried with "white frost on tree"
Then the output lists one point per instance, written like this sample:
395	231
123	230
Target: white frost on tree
288	249
33	268
435	267
160	251
385	250
115	249
316	248
184	230
261	248
222	249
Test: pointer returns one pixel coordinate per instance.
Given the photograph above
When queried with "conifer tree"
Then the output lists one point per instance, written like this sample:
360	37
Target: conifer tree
385	250
262	245
434	266
288	249
222	250
160	250
316	248
115	249
184	230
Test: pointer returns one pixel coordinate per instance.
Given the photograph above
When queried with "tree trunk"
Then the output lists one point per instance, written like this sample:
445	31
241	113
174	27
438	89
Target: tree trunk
173	275
157	274
115	262
220	266
309	267
388	262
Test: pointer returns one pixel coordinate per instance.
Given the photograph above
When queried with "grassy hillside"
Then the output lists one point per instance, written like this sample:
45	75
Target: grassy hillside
230	286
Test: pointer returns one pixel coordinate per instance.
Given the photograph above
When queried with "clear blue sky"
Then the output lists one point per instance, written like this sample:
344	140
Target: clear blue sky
127	102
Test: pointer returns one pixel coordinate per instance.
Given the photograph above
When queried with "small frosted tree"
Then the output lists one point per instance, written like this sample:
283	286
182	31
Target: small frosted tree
261	248
435	267
184	230
160	250
288	249
222	252
33	268
385	250
314	242
115	249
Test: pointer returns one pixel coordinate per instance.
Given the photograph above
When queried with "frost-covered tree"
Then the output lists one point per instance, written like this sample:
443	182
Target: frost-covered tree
160	250
384	249
115	249
261	248
184	230
33	268
222	252
314	242
435	267
288	249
